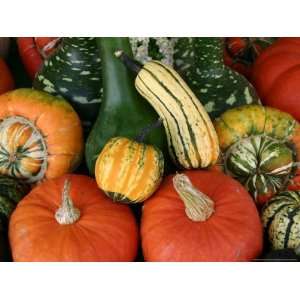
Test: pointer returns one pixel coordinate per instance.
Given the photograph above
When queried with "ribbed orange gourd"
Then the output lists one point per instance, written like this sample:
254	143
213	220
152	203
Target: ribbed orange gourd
40	135
70	219
201	216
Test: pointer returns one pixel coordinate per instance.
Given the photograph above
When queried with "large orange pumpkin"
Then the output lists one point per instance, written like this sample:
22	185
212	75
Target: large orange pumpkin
201	216
70	219
276	76
40	135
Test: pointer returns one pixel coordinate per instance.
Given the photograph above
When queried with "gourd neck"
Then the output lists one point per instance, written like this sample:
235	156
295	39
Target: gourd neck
198	206
145	131
67	213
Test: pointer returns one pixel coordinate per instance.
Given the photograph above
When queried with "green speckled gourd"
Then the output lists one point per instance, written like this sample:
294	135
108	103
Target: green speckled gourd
149	48
281	220
11	192
200	62
74	73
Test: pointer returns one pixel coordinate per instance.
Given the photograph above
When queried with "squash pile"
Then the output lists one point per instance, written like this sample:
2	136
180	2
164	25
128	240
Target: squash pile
149	149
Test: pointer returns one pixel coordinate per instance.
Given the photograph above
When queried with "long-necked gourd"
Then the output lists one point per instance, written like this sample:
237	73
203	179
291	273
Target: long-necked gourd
192	139
123	112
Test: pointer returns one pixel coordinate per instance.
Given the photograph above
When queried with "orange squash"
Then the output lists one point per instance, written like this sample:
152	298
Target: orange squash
70	219
201	216
40	136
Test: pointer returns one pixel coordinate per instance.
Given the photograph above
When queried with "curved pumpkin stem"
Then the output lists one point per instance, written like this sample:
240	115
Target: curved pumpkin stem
67	212
198	206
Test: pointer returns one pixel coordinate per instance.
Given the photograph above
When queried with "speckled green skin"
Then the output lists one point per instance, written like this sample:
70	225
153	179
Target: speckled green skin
74	73
200	63
11	192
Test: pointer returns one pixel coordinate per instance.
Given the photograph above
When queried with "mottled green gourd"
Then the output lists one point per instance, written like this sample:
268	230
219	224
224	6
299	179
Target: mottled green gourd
11	192
148	48
74	73
200	62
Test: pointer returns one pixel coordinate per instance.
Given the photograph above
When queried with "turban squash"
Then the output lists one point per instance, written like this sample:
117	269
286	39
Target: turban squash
200	216
40	136
70	219
260	147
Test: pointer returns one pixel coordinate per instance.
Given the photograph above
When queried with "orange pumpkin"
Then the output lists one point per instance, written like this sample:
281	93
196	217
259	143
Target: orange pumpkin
201	216
70	219
40	135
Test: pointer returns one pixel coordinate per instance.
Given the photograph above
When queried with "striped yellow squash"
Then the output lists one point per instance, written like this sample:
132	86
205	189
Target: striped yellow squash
129	171
192	140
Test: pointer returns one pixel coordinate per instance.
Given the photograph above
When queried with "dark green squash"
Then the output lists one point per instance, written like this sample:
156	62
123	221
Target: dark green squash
11	192
74	73
200	63
4	246
123	112
282	255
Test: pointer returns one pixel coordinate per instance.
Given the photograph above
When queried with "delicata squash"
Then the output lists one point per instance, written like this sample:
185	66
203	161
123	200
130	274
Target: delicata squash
191	136
40	136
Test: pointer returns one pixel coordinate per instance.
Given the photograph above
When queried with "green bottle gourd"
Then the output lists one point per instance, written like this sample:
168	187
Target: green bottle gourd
200	62
123	112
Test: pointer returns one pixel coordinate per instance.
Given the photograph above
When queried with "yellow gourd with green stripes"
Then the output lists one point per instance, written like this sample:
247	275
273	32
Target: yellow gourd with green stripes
129	171
192	140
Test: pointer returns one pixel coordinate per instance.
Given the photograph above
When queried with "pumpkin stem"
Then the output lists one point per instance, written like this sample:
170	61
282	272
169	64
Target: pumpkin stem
198	206
67	213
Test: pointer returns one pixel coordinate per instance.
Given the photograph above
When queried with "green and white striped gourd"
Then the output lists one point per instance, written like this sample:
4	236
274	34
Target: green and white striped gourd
260	147
74	73
200	62
281	220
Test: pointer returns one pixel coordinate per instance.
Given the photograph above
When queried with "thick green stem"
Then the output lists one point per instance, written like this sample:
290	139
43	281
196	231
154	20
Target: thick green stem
198	206
130	63
67	213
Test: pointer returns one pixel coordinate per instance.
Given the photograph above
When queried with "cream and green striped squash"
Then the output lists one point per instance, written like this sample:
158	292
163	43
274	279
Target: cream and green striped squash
260	147
192	140
129	171
281	220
